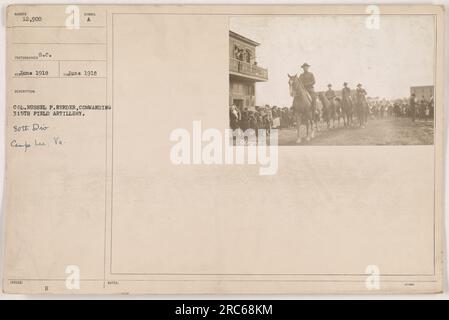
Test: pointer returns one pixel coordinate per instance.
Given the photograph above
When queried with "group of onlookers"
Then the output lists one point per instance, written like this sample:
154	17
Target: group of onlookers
265	117
413	108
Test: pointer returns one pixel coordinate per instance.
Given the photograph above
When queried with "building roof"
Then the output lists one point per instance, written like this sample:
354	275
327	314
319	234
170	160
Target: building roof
242	38
416	87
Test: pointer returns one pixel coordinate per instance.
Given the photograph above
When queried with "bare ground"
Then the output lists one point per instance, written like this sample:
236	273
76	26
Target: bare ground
401	131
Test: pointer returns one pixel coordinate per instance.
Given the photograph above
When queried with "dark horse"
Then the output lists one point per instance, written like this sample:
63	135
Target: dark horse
328	110
302	106
348	110
339	111
362	110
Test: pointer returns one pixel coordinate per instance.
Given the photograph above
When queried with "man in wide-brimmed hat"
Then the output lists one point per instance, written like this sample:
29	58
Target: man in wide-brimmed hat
330	94
360	90
361	104
345	92
346	103
308	80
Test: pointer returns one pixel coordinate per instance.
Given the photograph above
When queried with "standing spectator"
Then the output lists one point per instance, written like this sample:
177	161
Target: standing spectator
234	117
431	108
413	106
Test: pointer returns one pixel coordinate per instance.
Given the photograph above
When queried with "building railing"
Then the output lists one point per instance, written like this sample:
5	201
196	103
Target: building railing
246	68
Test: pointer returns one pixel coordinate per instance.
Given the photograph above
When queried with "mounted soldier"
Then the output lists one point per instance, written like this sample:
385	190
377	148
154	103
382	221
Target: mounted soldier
346	103
301	106
308	80
330	96
361	104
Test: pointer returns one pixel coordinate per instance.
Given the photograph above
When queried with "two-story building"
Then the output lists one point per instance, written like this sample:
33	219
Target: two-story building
243	71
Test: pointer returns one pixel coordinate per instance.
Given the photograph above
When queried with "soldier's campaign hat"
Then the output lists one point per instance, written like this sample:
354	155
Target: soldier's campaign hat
359	85
329	85
305	64
345	83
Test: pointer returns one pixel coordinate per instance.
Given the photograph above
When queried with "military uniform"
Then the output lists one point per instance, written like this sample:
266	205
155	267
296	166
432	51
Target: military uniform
308	80
346	94
330	95
360	94
346	103
361	105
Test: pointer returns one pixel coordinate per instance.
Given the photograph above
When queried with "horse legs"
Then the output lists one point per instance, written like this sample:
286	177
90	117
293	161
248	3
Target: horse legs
298	127
309	123
312	131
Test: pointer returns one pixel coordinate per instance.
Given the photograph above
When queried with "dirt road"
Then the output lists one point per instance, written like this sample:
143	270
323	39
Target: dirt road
400	131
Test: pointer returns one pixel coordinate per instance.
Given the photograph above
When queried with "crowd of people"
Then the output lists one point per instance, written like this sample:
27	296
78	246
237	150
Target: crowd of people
267	117
261	117
422	109
328	107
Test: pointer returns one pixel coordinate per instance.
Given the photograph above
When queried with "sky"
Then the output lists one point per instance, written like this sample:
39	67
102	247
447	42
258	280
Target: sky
387	61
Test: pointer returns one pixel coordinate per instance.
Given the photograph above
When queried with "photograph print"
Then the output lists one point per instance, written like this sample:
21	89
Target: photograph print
333	79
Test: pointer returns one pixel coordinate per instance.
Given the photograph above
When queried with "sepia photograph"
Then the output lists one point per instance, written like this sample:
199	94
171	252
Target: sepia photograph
334	79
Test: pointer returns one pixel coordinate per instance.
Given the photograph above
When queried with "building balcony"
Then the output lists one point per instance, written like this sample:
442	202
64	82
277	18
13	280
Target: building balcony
247	70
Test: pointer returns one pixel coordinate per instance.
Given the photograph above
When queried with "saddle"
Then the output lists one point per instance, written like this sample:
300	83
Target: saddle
308	96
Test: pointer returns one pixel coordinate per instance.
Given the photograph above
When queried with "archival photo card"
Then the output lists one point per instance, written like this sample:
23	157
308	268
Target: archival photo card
224	149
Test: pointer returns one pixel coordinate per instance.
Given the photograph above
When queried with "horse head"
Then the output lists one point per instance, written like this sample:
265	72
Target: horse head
301	98
293	83
290	84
